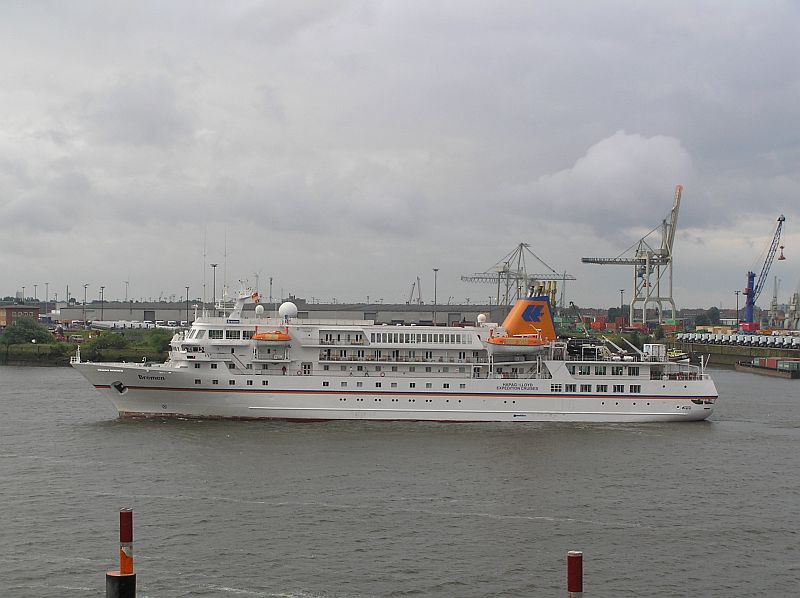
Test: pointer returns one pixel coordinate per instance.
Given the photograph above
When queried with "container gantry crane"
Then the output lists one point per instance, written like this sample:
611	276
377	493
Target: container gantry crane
753	289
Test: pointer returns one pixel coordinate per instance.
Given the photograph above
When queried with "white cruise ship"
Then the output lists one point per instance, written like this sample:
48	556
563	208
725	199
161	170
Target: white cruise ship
247	365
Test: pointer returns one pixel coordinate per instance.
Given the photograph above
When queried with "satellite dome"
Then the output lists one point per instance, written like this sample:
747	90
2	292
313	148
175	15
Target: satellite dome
259	310
287	310
481	318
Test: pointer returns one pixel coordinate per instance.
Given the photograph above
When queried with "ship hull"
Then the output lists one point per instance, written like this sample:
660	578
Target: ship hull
141	391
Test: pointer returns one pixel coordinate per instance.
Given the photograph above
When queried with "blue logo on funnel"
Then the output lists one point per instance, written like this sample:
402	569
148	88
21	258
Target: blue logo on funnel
532	313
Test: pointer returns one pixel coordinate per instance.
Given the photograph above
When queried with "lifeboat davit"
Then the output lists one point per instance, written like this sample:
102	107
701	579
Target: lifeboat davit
274	336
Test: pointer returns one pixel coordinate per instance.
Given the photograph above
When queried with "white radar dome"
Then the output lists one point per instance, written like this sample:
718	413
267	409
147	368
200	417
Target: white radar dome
287	310
481	318
259	310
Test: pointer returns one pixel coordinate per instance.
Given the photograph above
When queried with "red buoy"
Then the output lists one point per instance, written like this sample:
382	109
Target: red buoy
575	573
122	583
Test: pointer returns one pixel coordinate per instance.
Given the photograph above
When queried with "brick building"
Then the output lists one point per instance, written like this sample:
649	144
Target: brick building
9	313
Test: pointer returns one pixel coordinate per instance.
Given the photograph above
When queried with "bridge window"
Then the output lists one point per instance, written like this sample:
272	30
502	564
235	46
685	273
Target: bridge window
599	370
570	387
602	388
616	370
216	334
586	388
555	388
233	334
619	388
633	370
636	388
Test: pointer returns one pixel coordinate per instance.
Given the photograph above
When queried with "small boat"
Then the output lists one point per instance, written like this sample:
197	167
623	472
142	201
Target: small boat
677	355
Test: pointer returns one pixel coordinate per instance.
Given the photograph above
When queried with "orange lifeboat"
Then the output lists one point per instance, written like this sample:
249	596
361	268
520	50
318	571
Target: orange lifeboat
516	341
274	336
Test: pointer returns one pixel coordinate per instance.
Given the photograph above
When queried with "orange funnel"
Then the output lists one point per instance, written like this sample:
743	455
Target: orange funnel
530	316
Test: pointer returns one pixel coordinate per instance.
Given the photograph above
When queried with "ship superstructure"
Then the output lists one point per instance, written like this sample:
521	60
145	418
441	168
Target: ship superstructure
250	365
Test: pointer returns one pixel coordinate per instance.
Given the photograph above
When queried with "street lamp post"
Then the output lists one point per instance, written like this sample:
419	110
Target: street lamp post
621	304
214	288
35	296
85	286
23	295
101	302
187	305
435	277
46	296
737	309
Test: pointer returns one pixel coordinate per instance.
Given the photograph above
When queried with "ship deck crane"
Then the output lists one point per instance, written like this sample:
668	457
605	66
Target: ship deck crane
754	288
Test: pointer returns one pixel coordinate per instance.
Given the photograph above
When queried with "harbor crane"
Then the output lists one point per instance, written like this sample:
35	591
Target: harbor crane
416	284
650	265
513	280
754	288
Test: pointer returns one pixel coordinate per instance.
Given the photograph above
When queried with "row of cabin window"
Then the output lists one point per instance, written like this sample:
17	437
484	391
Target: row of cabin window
616	388
326	384
420	337
378	368
600	370
230	334
232	382
360	384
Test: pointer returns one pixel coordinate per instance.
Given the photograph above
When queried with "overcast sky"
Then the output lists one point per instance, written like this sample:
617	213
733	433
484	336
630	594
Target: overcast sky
345	148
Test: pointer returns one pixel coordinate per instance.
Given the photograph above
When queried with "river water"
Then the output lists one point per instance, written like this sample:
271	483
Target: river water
355	509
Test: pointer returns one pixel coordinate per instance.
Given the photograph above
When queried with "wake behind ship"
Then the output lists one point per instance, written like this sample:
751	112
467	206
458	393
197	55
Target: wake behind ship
250	366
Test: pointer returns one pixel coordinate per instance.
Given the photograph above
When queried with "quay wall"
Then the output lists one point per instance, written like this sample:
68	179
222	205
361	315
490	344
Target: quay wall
729	355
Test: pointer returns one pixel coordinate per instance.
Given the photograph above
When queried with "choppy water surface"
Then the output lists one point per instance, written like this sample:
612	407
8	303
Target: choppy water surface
360	509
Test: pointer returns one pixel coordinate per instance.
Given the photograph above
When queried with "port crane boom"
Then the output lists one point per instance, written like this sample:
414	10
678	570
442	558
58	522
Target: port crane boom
753	289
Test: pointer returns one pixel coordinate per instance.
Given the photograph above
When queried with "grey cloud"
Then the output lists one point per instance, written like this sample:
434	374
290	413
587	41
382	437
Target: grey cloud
138	111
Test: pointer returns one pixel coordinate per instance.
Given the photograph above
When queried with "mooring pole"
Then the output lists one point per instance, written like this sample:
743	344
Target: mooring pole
122	583
574	574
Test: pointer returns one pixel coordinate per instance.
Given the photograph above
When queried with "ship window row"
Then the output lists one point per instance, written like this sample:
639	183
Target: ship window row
231	382
228	334
360	384
601	388
412	368
600	370
449	338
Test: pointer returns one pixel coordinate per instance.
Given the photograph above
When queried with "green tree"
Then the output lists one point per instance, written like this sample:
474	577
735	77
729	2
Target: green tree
658	333
159	339
25	330
713	316
109	340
